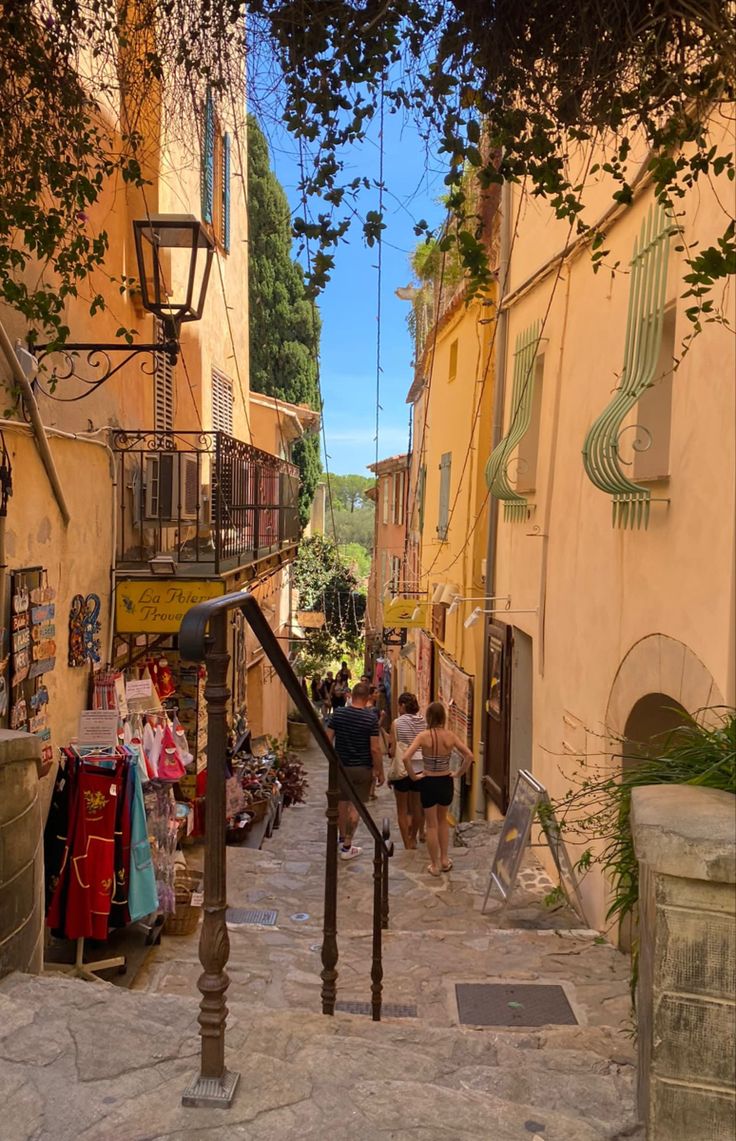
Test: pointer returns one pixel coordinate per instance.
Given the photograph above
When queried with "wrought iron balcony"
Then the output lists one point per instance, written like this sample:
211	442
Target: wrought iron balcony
211	502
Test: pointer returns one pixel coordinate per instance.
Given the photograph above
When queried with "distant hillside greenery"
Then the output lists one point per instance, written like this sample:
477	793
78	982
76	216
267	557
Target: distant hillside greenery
354	513
284	323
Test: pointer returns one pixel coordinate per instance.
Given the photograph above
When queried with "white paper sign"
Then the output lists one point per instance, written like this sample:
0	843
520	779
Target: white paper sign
197	899
98	727
120	696
135	690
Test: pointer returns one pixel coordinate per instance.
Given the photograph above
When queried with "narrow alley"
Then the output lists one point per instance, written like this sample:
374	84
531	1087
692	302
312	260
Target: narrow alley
94	1062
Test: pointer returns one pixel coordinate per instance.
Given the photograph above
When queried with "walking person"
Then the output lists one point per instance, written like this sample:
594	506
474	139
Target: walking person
325	693
353	729
435	781
407	726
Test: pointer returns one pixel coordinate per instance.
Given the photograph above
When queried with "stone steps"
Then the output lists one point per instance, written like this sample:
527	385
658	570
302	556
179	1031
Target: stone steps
94	1062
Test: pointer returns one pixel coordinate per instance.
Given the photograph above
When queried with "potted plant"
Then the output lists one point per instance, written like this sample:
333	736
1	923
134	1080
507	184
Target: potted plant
297	730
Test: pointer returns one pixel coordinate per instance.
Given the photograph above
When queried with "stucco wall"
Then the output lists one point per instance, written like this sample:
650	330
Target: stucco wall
601	590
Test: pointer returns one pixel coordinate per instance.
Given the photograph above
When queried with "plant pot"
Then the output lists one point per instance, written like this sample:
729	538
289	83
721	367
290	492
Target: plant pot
298	734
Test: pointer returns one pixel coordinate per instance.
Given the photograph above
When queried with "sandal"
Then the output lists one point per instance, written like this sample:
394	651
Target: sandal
447	867
433	871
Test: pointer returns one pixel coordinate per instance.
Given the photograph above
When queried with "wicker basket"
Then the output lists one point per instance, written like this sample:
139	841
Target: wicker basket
185	918
257	809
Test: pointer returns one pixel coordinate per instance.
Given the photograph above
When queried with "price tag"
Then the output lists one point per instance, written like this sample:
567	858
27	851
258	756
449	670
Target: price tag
197	899
135	690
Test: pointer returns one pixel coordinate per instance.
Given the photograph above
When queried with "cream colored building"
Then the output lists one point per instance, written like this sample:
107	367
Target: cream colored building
615	490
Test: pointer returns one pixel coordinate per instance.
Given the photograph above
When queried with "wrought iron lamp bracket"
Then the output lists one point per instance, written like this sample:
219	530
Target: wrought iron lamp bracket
94	364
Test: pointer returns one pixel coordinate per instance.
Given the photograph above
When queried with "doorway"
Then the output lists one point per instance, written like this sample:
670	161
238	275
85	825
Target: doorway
649	724
521	713
497	714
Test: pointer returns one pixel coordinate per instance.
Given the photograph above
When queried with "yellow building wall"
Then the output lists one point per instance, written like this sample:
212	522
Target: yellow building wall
457	415
621	613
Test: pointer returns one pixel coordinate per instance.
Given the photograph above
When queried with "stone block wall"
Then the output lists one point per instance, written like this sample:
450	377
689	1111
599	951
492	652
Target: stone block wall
685	841
21	854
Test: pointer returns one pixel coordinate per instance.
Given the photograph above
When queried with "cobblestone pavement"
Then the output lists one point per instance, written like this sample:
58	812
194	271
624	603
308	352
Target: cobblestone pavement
94	1062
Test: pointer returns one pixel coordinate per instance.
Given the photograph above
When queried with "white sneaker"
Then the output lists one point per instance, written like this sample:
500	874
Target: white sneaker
350	853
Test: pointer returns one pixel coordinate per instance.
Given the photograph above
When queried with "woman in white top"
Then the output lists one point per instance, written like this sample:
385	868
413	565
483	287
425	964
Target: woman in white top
408	804
435	781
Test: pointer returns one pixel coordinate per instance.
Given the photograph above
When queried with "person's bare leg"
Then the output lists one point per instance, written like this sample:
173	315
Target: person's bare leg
430	815
351	823
402	817
342	818
416	816
443	835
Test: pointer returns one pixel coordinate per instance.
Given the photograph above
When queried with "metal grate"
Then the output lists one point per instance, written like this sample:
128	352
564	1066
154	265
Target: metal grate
513	1004
388	1009
240	917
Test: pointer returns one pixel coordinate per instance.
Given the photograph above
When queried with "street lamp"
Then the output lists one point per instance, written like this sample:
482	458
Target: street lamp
174	254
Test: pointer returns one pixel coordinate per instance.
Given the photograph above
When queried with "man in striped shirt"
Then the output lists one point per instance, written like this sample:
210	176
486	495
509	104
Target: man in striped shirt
353	729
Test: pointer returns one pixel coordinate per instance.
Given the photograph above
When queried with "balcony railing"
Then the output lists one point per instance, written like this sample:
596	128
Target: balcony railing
211	502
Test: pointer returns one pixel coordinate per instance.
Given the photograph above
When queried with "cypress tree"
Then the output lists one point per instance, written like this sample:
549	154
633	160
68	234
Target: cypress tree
284	323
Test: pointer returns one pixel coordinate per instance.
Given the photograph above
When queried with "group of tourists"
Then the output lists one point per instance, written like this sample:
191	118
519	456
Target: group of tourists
421	767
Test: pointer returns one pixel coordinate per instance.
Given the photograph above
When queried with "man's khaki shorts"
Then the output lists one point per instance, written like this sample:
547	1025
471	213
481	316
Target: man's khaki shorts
362	778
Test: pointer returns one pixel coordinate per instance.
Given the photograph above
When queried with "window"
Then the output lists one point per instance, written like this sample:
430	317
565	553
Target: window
443	517
397	508
395	572
526	456
222	403
386	496
215	181
163	387
654	410
452	370
421	489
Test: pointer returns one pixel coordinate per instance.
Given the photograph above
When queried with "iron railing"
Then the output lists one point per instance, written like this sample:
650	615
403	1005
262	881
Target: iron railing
210	501
203	637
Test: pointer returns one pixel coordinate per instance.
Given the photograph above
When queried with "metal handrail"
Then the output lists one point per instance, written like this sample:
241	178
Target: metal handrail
203	637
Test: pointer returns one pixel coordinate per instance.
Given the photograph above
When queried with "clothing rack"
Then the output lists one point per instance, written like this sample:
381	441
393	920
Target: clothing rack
81	970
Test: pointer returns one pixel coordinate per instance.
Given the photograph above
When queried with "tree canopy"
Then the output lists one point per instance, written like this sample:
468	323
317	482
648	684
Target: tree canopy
506	89
325	582
284	322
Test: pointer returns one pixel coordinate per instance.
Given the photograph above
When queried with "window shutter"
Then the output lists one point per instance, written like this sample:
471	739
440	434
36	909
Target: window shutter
208	159
225	236
386	491
222	403
443	519
422	478
163	387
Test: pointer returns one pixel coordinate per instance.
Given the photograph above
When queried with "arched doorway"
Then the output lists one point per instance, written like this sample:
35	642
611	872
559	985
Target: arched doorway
651	721
649	724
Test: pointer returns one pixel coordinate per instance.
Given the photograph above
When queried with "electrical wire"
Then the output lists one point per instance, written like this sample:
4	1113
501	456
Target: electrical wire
379	279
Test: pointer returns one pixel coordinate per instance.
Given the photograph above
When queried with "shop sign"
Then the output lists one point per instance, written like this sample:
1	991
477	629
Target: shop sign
157	605
310	619
399	612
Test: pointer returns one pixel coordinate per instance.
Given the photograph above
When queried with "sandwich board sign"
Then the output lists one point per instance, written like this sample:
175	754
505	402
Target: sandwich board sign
529	796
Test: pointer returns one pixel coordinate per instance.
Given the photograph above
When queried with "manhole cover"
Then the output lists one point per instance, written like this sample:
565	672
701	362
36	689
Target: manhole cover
513	1004
240	917
388	1009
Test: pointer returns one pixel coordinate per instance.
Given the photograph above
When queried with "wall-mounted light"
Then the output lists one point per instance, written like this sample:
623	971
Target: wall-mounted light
439	590
476	613
162	564
169	248
478	598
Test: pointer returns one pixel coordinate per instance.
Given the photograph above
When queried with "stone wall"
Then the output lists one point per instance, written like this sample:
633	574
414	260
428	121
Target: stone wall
685	841
21	854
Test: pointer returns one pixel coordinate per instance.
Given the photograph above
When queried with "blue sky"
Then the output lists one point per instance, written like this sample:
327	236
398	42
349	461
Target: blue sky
349	304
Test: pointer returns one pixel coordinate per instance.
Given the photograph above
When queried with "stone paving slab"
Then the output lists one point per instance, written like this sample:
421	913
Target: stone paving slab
89	1061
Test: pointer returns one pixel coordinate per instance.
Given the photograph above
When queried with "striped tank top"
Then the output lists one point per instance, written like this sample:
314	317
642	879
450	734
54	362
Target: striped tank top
407	727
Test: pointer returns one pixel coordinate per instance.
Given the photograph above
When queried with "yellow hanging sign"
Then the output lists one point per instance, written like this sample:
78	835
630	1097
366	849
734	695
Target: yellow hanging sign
157	605
399	612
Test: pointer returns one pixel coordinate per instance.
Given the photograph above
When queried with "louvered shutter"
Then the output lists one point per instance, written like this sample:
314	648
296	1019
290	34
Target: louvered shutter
443	517
225	189
222	403
163	388
421	494
208	159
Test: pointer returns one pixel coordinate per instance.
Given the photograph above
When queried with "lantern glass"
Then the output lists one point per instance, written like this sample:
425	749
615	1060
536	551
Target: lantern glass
174	254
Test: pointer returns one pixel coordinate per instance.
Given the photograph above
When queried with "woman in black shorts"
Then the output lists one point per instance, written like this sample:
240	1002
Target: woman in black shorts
435	781
403	731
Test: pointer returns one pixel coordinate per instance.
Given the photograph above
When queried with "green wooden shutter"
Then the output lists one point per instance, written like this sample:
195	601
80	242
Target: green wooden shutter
226	192
444	511
208	159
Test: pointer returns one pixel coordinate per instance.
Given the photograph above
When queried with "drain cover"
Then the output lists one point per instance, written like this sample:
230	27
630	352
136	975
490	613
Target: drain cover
240	917
513	1004
388	1009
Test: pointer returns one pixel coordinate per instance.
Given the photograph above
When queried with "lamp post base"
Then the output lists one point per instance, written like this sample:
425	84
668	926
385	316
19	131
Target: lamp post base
211	1093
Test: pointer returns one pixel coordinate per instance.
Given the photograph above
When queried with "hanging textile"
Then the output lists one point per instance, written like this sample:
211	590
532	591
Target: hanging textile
455	691
425	656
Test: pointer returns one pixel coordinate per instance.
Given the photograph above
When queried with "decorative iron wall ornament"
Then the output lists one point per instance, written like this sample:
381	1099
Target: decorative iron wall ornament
602	448
84	630
498	476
